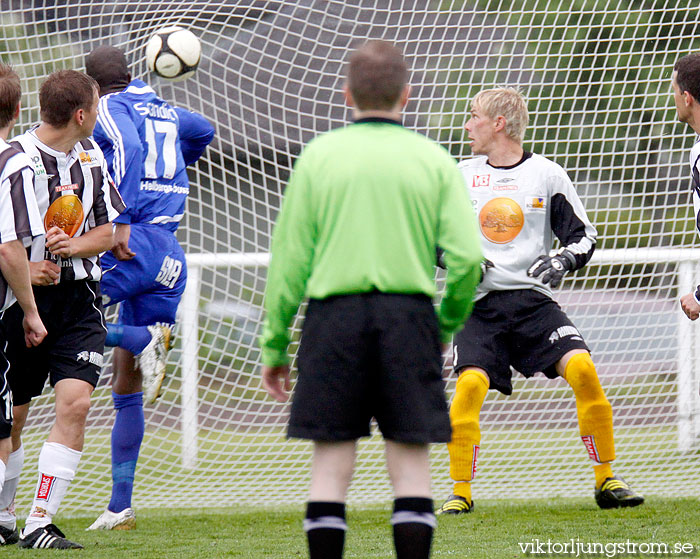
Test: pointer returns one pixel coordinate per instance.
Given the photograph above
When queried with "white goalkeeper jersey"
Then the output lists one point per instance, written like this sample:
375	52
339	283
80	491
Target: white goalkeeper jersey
520	209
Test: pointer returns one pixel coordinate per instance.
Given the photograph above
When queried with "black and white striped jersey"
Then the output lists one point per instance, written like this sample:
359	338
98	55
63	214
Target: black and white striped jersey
82	172
19	213
520	209
695	173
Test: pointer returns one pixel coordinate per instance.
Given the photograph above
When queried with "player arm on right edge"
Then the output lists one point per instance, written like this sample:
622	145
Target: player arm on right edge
460	242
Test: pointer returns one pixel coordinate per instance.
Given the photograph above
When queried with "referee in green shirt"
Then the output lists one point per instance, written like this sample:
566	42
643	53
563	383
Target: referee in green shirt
362	216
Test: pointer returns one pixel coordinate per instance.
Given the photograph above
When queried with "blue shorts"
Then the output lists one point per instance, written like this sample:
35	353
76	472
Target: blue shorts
150	285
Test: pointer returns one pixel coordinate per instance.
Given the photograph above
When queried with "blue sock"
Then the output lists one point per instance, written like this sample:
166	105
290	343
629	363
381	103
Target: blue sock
127	435
131	338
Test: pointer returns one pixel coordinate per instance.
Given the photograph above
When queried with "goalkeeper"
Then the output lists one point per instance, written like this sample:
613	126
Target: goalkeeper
361	217
522	200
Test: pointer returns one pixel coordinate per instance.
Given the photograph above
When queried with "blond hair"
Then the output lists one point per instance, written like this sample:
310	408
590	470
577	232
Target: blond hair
507	102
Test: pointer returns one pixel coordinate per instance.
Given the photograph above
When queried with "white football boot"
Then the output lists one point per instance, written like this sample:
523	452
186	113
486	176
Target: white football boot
108	520
152	360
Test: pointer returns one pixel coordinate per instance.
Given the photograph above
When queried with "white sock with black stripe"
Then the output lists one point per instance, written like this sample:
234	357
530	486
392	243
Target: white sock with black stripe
413	521
57	467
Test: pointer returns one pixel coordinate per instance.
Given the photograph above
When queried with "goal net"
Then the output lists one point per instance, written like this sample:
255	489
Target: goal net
597	77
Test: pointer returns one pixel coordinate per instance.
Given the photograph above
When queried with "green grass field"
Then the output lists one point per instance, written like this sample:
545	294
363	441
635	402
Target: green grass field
493	531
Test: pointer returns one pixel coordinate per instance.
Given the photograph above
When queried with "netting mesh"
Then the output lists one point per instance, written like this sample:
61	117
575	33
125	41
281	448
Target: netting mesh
597	77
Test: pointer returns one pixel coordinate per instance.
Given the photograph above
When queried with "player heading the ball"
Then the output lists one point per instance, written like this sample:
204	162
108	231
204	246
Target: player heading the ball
148	145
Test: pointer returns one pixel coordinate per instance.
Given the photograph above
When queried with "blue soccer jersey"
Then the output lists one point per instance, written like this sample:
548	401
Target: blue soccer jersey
148	145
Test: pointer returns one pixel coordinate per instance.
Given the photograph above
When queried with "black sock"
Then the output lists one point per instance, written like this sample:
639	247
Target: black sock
413	522
325	529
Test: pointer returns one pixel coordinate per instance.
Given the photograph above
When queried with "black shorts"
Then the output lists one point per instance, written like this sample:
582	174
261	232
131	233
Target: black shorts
74	346
522	328
5	392
370	355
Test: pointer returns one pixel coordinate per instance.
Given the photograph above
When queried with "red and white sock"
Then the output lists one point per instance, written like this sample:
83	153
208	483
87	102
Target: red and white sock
57	467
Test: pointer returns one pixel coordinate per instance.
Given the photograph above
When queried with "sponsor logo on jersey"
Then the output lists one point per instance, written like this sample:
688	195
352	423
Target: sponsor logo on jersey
87	158
589	443
564	332
156	110
536	204
90	357
64	187
166	188
39	169
505	187
46	484
501	220
481	180
505	180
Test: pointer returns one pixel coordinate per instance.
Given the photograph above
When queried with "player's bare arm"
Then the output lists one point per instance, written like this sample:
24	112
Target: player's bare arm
15	269
690	306
122	232
95	241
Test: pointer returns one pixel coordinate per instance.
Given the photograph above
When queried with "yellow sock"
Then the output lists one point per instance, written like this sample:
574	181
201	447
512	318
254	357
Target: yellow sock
594	413
602	472
466	436
463	489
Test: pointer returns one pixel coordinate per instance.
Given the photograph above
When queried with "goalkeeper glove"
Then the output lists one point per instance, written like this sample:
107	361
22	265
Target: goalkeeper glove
486	265
551	269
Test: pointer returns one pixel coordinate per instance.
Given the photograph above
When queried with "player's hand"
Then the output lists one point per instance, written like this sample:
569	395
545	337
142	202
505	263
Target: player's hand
44	272
552	269
690	306
120	249
486	265
276	381
34	329
58	243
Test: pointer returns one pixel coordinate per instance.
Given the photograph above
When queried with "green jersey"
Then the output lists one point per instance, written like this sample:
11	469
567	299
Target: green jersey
364	210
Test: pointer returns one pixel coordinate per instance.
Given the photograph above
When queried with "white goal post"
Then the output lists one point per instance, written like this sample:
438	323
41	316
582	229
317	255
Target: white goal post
596	74
686	338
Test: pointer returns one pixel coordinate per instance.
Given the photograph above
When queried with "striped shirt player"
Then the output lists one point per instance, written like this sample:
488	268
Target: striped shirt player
521	209
76	339
19	220
19	214
695	170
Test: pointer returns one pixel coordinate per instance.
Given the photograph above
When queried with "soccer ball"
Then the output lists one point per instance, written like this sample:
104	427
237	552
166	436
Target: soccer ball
173	53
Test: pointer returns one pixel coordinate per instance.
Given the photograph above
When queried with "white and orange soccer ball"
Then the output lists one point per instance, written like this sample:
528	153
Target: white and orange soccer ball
173	53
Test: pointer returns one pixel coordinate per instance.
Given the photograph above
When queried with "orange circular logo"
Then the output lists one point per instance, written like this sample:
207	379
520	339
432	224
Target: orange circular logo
501	219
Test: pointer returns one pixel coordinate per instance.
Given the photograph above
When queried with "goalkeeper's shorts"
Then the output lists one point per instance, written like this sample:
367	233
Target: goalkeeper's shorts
150	285
521	328
370	355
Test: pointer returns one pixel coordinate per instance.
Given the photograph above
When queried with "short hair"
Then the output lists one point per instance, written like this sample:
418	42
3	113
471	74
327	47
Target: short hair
108	66
687	71
507	102
377	75
10	94
63	93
